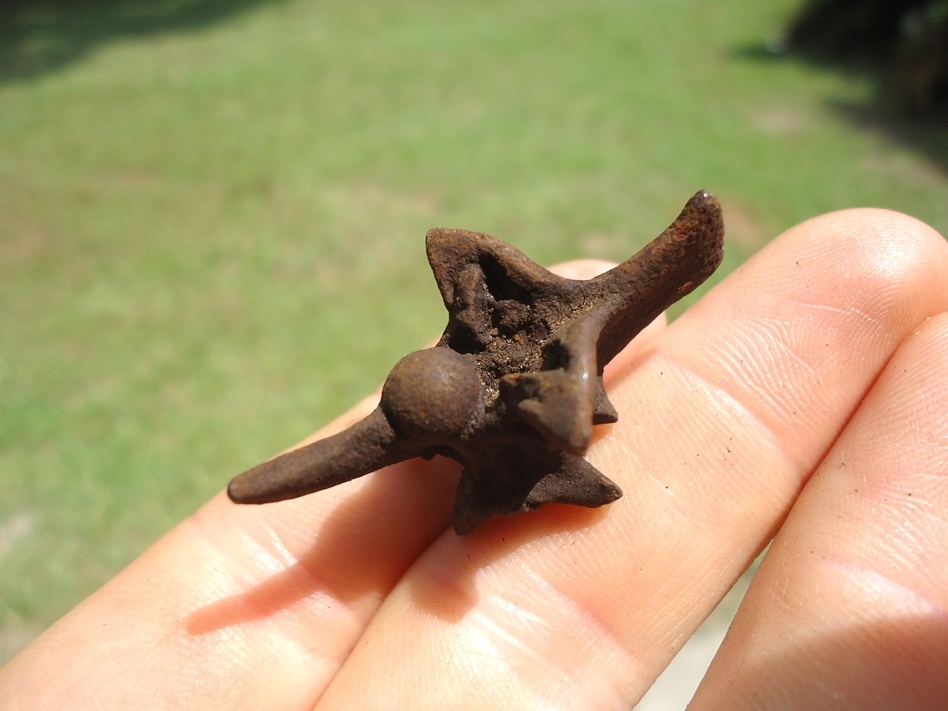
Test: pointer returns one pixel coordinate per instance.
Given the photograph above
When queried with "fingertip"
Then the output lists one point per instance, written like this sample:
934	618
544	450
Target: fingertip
870	220
872	250
582	268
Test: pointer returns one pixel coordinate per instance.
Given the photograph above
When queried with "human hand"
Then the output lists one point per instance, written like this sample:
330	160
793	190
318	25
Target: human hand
805	397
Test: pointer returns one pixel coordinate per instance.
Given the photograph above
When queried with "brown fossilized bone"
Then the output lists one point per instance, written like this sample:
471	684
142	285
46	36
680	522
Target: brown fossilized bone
514	386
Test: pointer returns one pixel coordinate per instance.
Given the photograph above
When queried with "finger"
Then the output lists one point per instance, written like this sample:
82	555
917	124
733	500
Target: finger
244	606
722	418
238	607
849	606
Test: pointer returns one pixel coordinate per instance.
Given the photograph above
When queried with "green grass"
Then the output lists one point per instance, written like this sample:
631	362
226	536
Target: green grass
212	215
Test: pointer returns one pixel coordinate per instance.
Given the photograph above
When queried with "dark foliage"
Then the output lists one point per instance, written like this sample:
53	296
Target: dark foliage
905	40
38	36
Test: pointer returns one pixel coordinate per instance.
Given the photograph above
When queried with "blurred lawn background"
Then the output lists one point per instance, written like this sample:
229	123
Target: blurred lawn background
212	215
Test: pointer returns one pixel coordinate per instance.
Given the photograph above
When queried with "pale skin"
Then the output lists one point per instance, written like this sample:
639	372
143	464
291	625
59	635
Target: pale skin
804	399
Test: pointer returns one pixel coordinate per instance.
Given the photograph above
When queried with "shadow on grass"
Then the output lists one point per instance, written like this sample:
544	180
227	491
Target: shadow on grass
39	36
885	113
